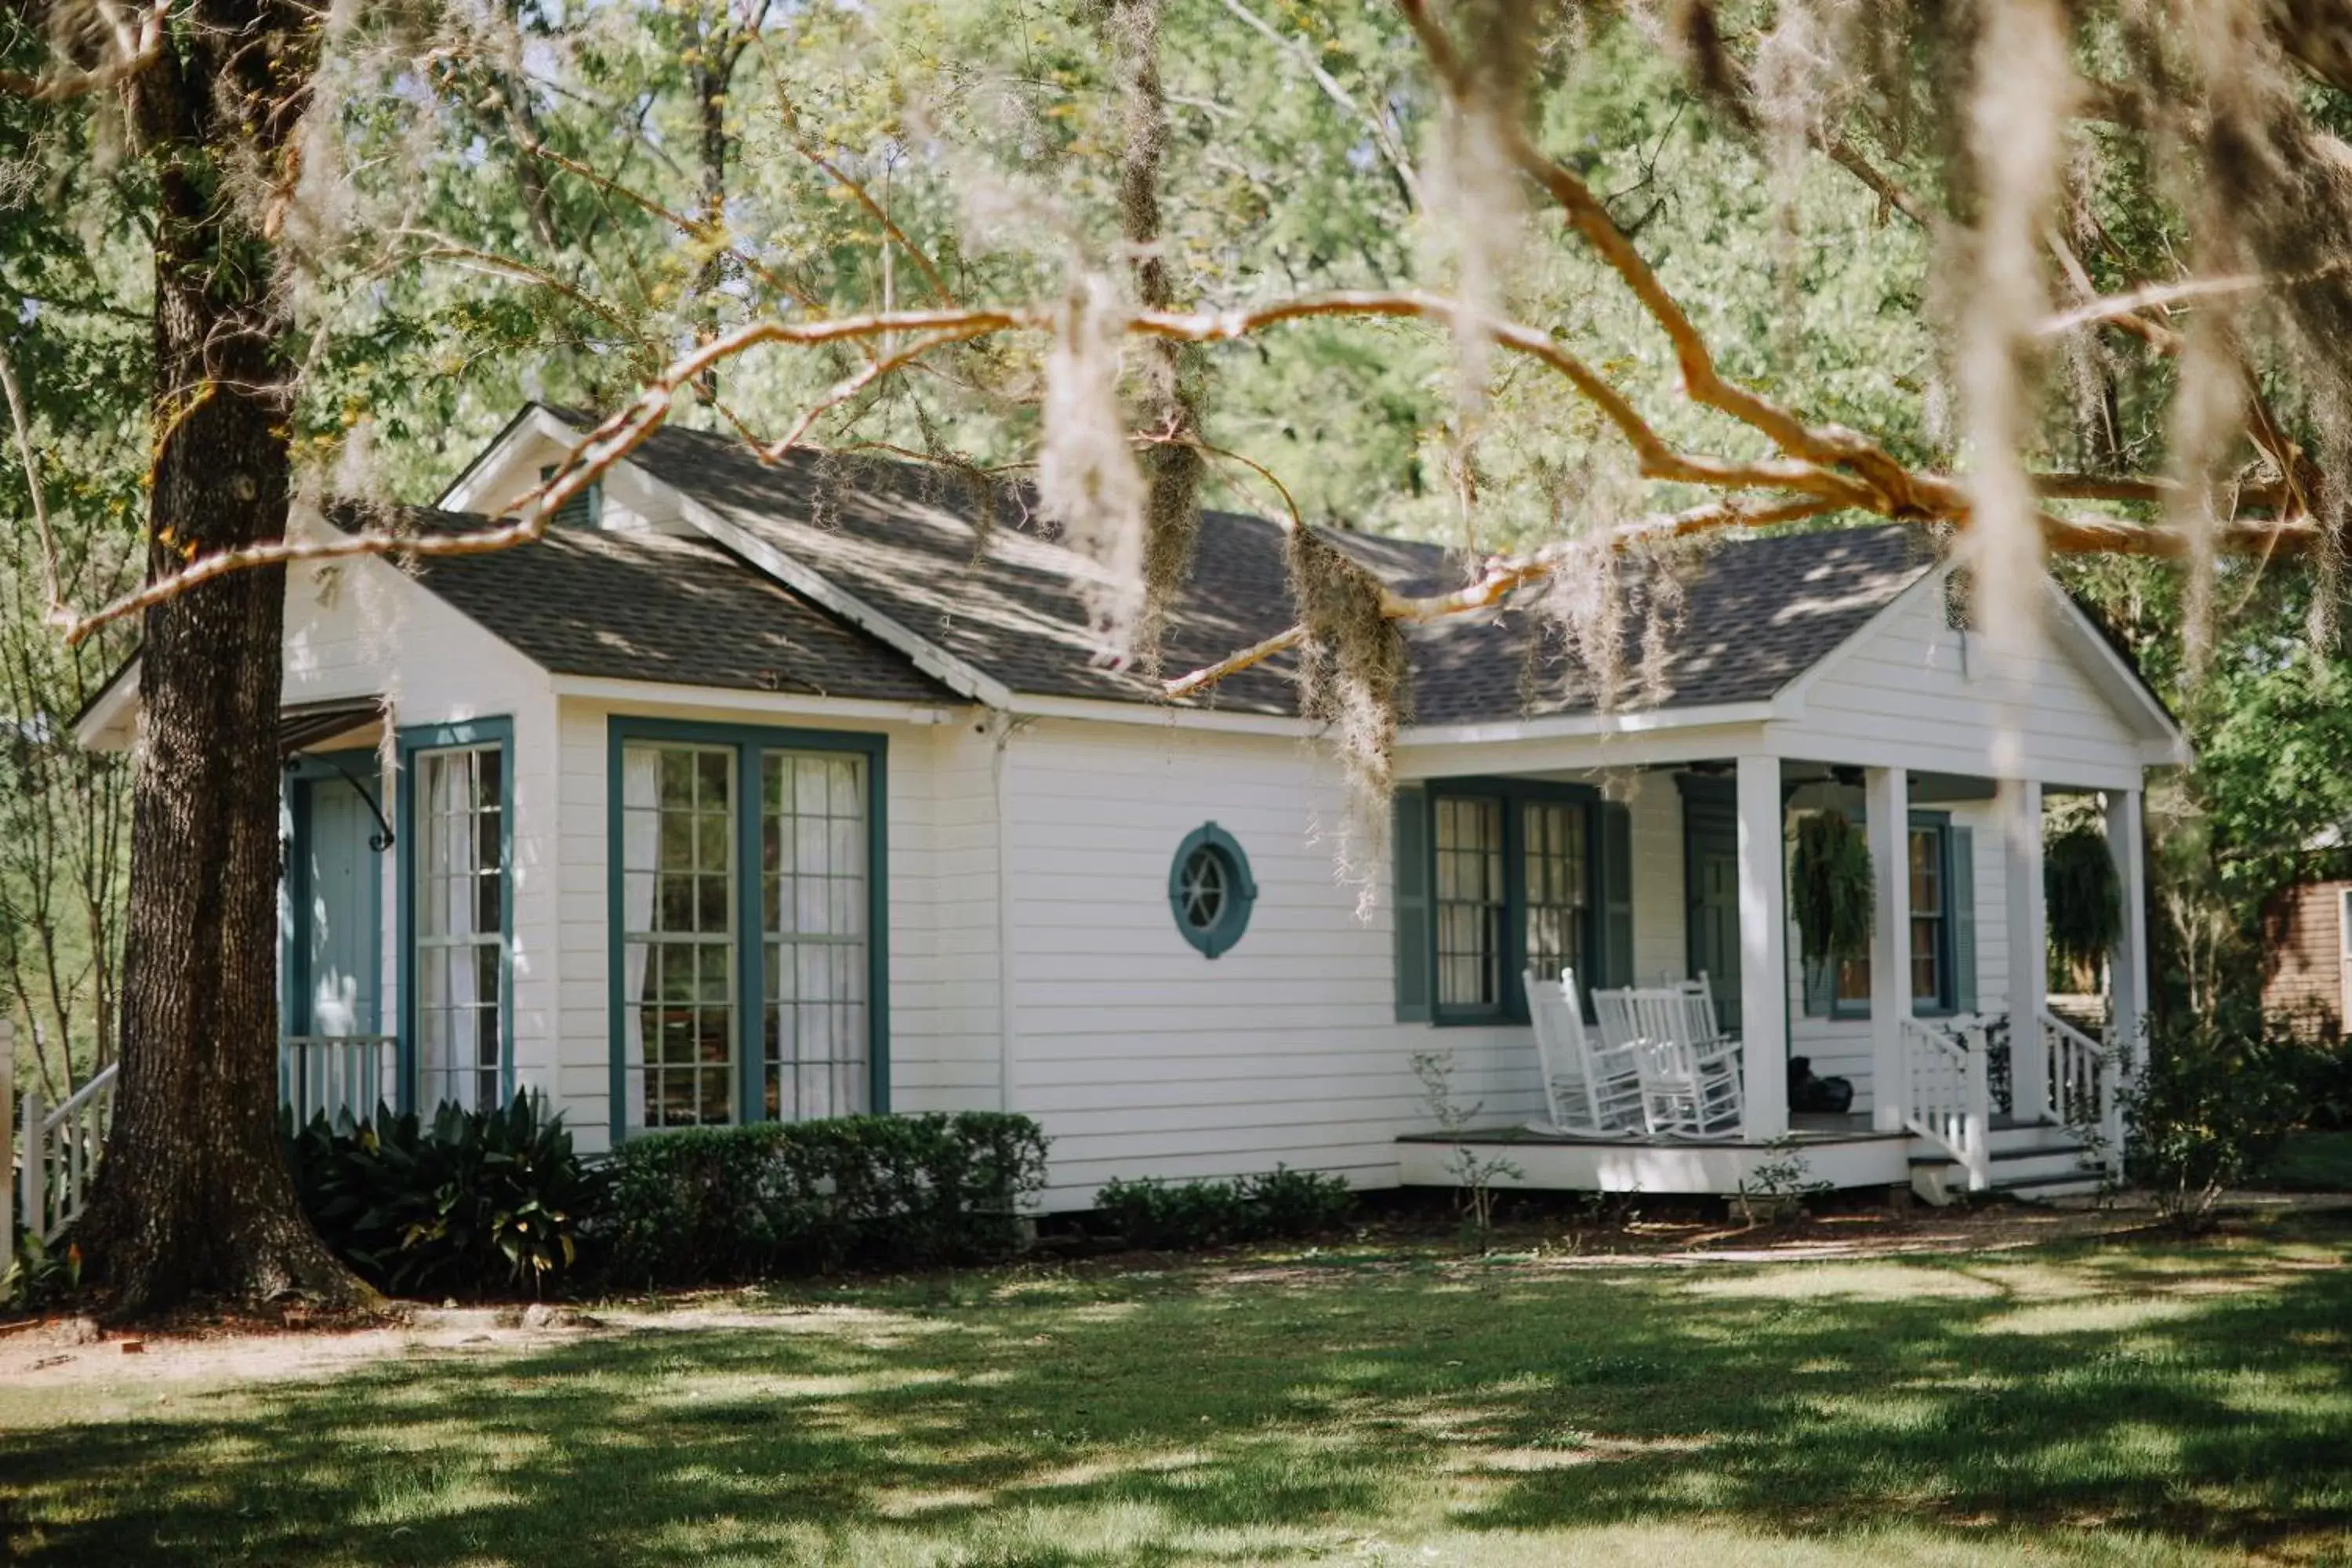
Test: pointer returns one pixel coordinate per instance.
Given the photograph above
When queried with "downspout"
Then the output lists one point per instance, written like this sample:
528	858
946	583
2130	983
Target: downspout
1001	727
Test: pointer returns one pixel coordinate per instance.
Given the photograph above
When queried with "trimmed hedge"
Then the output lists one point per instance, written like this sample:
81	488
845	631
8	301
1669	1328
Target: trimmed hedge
1169	1217
728	1204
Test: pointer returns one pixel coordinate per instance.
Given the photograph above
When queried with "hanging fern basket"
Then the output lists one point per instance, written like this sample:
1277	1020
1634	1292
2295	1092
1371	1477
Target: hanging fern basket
2081	898
1833	892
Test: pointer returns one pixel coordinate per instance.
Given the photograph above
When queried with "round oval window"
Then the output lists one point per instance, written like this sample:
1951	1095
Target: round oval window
1209	889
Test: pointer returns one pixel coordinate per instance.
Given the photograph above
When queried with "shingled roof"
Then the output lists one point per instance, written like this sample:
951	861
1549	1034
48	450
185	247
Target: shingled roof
971	571
980	578
1754	613
650	606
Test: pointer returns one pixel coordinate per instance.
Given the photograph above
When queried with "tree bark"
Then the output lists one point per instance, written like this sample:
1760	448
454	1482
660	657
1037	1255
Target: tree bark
193	1200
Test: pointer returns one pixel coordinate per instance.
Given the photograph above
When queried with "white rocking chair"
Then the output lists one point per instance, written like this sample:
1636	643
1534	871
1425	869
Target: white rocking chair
1688	1070
1592	1090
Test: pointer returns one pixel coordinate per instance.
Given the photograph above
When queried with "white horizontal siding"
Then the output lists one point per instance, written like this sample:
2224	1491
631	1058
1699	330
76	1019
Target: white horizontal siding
1660	899
1141	1056
1914	691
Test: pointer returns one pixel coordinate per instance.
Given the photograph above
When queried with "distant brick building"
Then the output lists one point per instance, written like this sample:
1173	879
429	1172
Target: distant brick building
2304	957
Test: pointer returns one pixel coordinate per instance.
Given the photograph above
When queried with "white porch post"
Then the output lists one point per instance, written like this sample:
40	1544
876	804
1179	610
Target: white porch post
1887	804
1763	949
2029	1057
2128	965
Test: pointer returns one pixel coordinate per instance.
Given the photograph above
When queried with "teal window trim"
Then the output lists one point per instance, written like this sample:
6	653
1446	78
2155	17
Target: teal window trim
1241	891
360	767
1515	793
1944	1004
748	741
410	743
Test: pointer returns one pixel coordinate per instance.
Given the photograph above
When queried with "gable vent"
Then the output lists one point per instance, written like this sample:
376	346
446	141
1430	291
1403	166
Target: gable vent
585	509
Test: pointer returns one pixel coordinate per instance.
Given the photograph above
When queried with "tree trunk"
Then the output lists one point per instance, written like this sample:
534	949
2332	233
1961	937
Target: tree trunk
193	1199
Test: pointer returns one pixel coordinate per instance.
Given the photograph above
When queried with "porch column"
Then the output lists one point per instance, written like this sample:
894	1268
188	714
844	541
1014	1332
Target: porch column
1887	804
2019	803
2128	965
1763	949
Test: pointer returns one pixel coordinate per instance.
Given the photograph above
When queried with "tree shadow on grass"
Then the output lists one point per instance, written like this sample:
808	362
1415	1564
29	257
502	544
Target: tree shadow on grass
2011	1401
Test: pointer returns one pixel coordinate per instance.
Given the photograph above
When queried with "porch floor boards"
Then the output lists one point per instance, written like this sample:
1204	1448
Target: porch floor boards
1804	1127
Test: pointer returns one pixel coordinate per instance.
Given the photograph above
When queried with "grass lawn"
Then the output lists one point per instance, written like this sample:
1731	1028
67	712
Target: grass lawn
2140	1404
2313	1162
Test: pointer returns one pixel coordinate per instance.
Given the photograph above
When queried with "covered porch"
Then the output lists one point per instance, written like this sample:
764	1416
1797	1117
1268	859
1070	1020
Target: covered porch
1672	864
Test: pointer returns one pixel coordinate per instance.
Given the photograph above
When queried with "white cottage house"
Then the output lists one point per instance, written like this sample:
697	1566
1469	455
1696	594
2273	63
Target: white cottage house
791	791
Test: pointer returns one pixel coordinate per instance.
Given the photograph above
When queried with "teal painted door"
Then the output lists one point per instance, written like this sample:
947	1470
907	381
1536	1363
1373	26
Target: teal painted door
1711	847
336	937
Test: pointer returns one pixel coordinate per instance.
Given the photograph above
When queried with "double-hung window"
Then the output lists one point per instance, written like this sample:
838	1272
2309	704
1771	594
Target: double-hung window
459	908
1938	884
1514	877
747	925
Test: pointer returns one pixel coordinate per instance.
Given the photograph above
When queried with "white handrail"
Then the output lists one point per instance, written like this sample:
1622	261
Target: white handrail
1947	1097
2082	1084
344	1077
61	1147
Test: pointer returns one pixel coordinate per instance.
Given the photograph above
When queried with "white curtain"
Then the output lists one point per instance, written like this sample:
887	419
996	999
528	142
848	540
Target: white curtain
640	853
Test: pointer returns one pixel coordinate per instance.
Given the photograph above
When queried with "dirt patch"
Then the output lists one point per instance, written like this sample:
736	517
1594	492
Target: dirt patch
76	1350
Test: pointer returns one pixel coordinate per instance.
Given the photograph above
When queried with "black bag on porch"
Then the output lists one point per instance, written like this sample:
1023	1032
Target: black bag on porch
1806	1092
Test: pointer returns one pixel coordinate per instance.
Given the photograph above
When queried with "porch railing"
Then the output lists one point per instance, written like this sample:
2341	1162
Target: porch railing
2084	1079
345	1077
60	1149
1947	1100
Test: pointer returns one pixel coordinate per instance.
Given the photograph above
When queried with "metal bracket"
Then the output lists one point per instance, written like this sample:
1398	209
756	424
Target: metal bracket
379	841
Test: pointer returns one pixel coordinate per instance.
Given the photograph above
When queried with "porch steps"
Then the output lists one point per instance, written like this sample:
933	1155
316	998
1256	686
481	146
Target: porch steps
2029	1160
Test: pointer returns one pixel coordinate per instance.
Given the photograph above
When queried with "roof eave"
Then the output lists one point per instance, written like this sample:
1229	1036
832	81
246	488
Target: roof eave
536	418
1562	726
108	721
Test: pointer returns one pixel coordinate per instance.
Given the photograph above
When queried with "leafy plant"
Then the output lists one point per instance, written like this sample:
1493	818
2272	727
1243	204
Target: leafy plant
2206	1113
1474	1173
38	1275
2083	896
1281	1204
478	1203
1830	889
779	1198
1776	1191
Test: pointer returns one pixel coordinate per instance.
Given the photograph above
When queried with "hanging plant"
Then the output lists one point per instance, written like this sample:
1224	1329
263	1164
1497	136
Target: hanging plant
1833	892
2081	898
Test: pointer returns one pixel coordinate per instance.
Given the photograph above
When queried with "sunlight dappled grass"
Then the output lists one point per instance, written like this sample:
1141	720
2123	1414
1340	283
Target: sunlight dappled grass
2145	1405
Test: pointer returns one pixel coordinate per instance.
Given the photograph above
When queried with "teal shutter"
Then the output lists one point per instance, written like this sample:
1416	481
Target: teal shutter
1615	964
1409	847
1820	988
1961	877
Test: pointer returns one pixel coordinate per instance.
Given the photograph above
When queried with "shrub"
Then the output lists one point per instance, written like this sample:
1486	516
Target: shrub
2322	1076
2206	1110
477	1204
724	1204
39	1275
1177	1217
